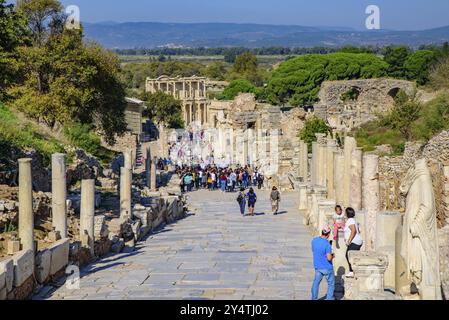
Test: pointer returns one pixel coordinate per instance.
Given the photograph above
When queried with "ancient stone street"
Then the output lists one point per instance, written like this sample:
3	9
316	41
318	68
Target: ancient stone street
214	253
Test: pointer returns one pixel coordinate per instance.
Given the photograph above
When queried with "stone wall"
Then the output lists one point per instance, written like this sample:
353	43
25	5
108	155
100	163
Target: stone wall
373	96
393	169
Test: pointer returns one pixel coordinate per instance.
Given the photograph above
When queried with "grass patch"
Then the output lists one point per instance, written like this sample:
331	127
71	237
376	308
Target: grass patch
13	133
82	136
372	135
432	120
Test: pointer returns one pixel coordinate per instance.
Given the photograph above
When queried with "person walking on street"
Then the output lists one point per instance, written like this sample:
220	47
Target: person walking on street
322	262
241	199
275	198
252	199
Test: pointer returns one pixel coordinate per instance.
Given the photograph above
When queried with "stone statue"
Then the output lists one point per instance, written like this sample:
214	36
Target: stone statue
419	235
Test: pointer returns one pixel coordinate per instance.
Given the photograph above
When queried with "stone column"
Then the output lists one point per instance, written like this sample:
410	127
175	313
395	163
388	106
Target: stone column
125	193
304	161
162	140
339	161
349	147
355	195
26	217
59	194
153	184
148	168
370	199
330	152
314	164
245	147
322	164
128	164
87	215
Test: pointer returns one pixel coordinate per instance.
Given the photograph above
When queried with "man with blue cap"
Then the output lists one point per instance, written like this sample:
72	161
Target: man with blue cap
322	261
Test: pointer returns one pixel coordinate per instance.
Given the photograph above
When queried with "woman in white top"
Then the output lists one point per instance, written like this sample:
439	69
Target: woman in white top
352	237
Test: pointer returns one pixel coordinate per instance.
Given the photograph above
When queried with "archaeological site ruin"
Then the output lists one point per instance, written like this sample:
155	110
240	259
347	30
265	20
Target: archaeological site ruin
401	202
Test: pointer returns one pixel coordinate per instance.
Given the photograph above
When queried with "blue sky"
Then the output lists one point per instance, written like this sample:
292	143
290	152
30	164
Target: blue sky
395	14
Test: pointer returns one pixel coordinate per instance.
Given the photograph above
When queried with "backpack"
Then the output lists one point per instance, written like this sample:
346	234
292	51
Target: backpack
240	198
275	195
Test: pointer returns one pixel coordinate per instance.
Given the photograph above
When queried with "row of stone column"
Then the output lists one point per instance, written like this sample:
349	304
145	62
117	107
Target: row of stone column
59	199
349	177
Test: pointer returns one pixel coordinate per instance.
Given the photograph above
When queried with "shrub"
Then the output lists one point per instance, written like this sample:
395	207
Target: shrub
82	136
311	127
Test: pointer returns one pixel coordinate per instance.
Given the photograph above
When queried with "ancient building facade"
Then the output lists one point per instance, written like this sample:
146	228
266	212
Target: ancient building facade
191	91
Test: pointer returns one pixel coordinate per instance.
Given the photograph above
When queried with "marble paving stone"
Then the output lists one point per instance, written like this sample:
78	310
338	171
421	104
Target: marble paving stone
214	254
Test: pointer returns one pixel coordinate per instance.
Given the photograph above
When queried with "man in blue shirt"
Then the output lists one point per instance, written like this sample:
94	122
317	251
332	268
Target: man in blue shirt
322	261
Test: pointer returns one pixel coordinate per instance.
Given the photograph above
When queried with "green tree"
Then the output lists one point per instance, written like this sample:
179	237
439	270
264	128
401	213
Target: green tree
43	16
216	71
68	81
418	64
246	67
313	126
230	55
163	108
439	76
13	33
396	56
236	87
245	63
298	80
404	113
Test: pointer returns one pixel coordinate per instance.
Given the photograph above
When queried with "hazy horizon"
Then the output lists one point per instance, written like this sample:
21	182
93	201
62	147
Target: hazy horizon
395	15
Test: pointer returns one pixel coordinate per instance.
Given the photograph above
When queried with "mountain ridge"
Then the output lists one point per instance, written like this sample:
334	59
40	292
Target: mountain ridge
125	35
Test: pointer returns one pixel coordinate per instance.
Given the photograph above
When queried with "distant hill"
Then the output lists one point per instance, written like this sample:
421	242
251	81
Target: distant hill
153	34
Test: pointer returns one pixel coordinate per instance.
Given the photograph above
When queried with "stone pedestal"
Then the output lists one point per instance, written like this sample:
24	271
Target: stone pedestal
355	196
302	188
26	217
387	224
339	247
360	218
59	194
402	283
125	193
371	191
87	215
369	269
326	209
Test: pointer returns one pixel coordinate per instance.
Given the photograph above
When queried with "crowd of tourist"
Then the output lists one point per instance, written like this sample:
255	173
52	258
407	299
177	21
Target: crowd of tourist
215	178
